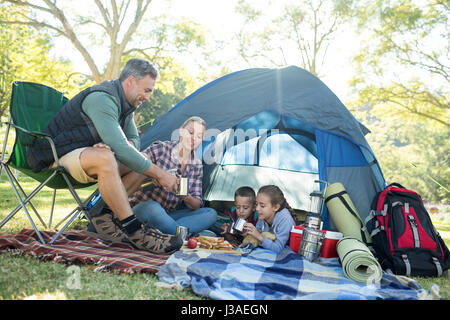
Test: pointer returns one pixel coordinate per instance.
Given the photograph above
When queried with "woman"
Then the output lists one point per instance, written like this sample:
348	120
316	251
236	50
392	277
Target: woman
157	208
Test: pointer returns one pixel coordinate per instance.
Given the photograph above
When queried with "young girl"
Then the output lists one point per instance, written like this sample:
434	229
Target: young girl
274	216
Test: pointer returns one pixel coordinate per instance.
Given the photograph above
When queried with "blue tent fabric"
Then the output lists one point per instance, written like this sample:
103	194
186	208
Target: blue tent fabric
229	100
271	102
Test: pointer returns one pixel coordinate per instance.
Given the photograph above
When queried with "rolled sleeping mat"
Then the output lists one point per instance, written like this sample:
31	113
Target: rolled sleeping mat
358	262
344	214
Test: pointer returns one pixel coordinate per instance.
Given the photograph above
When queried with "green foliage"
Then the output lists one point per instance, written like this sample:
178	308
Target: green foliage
24	56
188	33
403	66
173	86
300	33
160	102
402	86
410	152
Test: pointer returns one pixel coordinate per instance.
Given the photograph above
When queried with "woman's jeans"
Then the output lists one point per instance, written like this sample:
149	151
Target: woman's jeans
153	215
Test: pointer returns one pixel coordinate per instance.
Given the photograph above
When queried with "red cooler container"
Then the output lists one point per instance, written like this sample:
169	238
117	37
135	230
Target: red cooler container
296	237
329	244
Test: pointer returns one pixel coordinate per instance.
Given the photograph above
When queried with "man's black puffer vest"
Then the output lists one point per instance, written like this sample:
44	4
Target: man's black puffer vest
71	128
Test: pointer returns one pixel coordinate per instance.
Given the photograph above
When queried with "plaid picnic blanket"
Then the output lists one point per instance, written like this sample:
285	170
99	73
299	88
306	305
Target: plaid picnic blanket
74	247
265	275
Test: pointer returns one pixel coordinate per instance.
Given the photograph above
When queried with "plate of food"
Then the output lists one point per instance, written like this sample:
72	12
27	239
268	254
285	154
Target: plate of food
213	244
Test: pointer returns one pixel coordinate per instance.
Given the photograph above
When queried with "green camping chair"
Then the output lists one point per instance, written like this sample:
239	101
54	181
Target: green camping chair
32	107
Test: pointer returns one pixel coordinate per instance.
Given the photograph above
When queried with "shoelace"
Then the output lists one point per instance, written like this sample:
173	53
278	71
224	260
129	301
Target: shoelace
155	233
118	230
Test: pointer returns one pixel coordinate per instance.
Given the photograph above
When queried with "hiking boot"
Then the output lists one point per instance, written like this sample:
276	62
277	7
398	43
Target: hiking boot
155	241
107	228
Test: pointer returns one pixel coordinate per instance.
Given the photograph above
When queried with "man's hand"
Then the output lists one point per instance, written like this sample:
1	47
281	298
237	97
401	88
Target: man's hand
102	145
160	177
168	181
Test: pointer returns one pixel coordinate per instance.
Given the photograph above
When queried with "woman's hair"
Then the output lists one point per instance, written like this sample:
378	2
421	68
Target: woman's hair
194	119
139	68
247	192
277	197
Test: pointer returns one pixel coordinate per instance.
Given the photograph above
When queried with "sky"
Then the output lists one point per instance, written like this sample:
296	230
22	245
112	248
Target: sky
219	18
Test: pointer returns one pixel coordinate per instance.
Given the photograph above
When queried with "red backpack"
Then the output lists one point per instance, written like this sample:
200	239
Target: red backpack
404	238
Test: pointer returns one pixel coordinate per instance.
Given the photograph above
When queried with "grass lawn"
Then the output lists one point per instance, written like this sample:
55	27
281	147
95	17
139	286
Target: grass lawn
27	277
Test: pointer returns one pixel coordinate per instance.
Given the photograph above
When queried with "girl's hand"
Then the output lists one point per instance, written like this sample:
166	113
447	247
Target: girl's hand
249	228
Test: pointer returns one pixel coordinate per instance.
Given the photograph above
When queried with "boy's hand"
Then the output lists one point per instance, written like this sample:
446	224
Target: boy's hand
225	227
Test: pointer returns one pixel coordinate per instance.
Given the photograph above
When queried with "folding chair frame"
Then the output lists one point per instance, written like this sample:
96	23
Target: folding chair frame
25	199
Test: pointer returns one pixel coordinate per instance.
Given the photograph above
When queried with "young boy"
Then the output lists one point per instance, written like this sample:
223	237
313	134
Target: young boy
244	208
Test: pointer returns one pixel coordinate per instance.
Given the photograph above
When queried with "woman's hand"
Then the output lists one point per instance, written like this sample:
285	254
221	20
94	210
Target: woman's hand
250	229
191	202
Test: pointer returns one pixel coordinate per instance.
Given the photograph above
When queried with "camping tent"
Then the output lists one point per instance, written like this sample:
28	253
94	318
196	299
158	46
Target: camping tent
276	126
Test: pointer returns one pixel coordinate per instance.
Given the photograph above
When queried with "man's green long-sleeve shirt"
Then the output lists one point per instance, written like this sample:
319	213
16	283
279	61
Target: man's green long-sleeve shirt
102	109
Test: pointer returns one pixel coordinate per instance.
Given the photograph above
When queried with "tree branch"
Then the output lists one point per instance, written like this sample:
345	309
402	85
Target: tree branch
137	20
70	34
28	4
35	24
88	21
124	11
417	112
105	16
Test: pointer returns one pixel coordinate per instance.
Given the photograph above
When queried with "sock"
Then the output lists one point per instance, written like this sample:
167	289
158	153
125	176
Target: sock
130	224
106	209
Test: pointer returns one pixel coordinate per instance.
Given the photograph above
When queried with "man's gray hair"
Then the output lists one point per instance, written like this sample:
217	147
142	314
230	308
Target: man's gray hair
194	119
139	68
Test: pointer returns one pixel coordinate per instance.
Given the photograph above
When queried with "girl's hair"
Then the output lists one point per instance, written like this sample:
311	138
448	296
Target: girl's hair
277	197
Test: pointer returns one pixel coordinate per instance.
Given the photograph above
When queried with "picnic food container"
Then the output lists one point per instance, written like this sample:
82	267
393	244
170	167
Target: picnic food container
329	242
311	243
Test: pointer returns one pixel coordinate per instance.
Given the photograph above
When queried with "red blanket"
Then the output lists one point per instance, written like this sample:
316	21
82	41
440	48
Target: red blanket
74	247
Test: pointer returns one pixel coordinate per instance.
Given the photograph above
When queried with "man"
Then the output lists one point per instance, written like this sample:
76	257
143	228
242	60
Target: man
96	139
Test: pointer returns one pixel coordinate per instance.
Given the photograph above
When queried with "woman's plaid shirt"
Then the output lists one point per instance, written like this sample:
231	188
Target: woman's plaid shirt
165	154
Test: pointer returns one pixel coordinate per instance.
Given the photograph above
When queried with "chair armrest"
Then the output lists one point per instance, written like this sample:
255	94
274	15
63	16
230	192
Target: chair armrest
39	135
31	133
